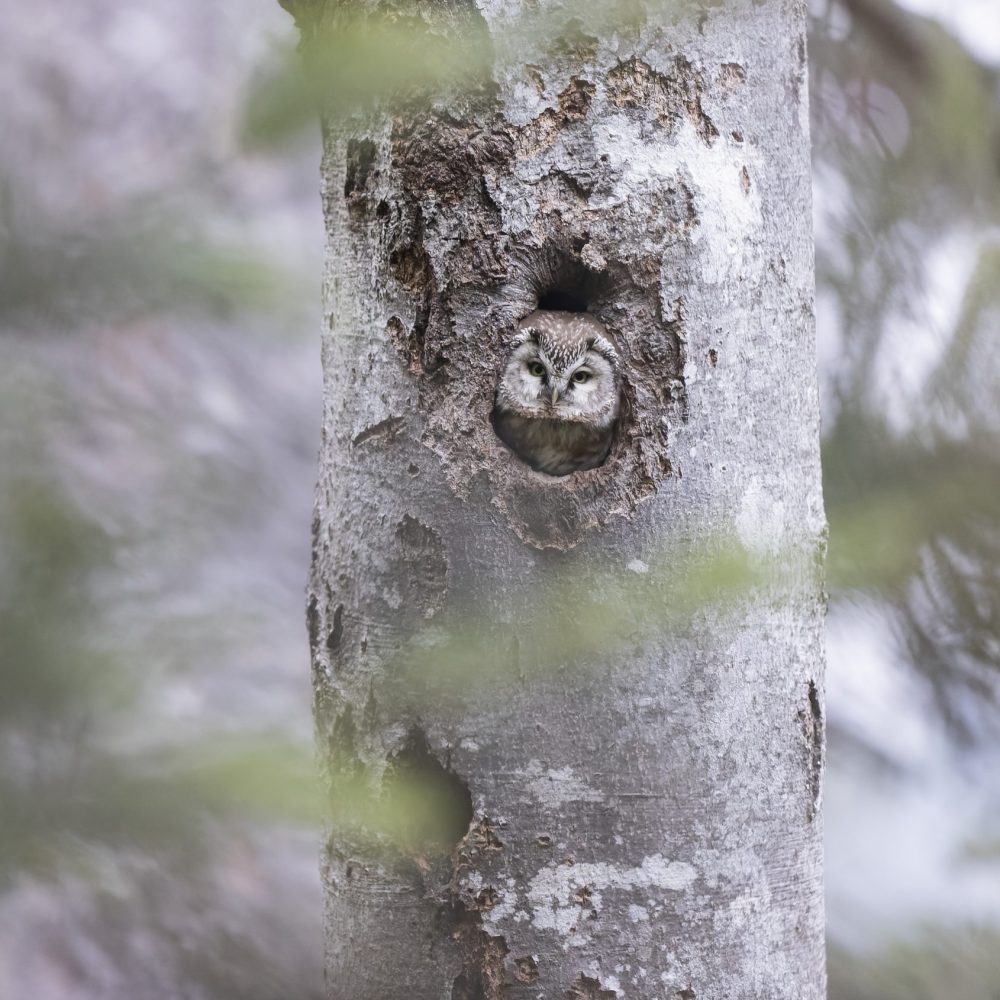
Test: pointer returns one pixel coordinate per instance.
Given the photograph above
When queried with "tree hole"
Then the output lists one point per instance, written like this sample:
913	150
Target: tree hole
429	804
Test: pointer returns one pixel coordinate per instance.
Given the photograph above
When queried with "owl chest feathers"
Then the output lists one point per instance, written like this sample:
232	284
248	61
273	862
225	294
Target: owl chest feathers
556	447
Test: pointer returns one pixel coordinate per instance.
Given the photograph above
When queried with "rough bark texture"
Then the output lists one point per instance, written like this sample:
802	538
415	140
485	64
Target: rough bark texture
640	819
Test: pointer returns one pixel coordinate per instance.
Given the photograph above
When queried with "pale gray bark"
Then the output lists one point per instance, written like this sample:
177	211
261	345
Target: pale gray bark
645	814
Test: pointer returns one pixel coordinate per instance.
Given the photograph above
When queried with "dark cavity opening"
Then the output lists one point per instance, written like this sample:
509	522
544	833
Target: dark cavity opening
571	276
560	300
430	804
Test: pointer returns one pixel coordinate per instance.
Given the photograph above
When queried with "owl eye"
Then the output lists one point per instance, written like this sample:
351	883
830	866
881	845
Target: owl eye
581	376
536	368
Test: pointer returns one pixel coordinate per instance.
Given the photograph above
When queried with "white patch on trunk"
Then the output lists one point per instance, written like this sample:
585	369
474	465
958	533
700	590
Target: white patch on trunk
725	212
561	895
555	787
760	521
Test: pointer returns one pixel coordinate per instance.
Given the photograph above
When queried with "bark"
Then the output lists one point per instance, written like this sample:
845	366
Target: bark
627	804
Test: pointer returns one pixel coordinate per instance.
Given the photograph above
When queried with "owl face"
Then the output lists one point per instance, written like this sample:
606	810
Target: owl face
562	367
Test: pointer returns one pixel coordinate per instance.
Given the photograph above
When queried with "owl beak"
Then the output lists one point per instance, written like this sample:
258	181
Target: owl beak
555	395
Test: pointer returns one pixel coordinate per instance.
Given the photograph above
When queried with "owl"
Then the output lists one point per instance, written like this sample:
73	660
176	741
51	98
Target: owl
560	392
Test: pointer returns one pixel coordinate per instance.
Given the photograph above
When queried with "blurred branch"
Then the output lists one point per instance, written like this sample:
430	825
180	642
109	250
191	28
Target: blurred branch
893	31
973	339
357	54
916	524
887	499
960	963
64	780
115	267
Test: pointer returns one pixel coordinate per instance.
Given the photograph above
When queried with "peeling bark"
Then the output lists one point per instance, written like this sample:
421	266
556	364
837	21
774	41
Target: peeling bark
636	819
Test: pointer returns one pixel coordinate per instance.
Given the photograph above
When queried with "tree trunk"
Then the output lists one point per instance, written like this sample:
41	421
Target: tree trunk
622	759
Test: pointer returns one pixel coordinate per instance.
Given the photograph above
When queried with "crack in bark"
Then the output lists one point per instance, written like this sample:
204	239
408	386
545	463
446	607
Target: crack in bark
387	428
312	622
361	156
337	631
483	837
588	988
732	75
420	568
811	723
526	969
483	975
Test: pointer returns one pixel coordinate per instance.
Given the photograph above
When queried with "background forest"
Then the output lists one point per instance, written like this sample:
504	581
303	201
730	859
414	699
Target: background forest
160	253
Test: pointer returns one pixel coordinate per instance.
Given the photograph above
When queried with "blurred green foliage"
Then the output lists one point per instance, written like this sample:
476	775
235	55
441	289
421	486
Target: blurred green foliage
359	55
134	260
957	963
68	774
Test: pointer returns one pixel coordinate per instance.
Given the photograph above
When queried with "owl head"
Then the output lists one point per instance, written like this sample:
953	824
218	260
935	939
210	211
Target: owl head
562	366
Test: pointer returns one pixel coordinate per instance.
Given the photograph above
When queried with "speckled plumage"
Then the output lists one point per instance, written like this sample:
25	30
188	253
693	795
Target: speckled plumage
558	398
